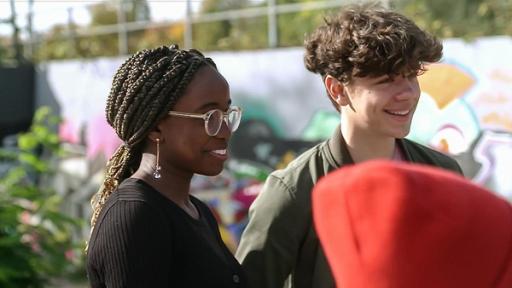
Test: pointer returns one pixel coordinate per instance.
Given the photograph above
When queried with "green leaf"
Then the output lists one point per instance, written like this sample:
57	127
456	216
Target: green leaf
27	142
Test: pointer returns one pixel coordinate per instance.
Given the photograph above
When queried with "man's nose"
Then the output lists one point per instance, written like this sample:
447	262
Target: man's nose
408	88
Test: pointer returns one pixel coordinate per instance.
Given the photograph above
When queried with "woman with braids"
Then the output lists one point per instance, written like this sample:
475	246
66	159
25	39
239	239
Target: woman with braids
173	111
368	59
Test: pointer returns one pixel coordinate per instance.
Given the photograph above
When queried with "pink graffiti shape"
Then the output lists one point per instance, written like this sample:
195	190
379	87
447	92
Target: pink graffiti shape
101	138
68	132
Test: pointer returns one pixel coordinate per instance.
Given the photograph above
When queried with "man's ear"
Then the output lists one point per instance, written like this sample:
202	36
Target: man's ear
336	90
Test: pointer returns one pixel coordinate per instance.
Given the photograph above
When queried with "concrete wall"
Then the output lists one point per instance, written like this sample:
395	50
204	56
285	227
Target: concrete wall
464	111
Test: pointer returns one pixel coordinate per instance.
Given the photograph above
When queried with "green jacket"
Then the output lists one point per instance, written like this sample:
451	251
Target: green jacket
279	247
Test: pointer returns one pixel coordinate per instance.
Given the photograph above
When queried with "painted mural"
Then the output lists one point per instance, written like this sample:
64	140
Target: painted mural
464	111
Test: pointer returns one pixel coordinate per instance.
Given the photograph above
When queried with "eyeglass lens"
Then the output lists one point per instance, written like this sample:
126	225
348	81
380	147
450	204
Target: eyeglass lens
234	119
212	123
216	117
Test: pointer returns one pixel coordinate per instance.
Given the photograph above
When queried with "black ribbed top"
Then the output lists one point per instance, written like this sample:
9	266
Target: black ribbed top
143	239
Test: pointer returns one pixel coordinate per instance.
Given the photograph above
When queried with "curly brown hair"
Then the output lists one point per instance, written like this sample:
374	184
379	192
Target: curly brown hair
368	40
144	89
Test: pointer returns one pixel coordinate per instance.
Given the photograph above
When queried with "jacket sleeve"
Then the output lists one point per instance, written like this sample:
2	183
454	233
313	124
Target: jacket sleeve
457	169
422	154
447	162
133	242
270	243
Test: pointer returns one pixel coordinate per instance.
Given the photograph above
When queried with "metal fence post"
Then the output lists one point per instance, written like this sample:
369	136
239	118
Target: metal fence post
122	33
30	28
272	24
188	41
15	35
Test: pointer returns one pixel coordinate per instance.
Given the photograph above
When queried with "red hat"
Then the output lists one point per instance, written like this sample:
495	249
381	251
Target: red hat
398	225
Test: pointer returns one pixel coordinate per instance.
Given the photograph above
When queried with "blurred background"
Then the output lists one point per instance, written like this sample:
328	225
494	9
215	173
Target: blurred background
57	59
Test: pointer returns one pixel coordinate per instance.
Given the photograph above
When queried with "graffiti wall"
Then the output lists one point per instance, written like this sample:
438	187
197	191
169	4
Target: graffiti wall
464	111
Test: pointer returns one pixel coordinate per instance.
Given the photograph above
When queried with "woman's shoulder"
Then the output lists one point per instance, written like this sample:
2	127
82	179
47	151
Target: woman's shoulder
126	215
203	207
132	202
136	190
132	189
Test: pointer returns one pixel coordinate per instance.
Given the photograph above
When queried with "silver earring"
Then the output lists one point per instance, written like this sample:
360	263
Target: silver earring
156	173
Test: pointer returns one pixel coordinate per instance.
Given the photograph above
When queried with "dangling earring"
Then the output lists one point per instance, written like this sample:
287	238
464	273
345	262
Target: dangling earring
156	173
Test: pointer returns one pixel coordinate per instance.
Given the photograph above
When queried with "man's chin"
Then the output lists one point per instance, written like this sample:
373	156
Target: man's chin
402	134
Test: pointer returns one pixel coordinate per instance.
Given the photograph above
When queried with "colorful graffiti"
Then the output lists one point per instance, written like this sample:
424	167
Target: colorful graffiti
464	111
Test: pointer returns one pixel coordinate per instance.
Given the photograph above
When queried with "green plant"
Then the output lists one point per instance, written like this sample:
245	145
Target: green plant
35	237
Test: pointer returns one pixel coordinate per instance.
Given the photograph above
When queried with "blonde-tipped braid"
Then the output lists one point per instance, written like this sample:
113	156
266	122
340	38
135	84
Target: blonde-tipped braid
116	167
144	89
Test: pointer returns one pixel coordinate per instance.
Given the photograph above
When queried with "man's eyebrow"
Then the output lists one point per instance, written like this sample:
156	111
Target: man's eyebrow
382	79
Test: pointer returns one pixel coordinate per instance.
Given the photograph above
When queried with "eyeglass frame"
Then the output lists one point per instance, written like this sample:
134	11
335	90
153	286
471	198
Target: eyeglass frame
205	116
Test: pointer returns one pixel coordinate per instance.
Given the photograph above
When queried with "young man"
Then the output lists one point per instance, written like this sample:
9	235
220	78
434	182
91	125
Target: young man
369	59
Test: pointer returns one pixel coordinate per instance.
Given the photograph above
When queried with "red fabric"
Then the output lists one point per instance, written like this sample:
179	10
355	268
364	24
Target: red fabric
400	225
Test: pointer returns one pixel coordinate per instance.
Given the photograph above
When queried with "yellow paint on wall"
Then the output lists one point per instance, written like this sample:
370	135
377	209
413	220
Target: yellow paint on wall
497	119
445	83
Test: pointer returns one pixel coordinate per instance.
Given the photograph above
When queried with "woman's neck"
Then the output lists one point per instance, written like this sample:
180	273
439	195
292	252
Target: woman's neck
174	186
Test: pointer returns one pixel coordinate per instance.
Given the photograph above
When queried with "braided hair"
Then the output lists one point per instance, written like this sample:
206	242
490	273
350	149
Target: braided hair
144	89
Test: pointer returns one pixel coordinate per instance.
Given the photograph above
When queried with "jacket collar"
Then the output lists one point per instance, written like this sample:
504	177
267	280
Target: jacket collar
338	149
339	154
403	144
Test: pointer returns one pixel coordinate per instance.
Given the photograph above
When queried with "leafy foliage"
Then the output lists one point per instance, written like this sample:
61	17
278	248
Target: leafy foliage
154	37
35	237
237	34
463	18
62	42
3	51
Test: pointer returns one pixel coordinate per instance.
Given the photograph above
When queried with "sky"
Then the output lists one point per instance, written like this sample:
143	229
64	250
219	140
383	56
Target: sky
50	12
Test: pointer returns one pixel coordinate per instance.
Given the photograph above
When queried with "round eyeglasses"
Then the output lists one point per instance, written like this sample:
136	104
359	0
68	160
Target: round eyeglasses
213	119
